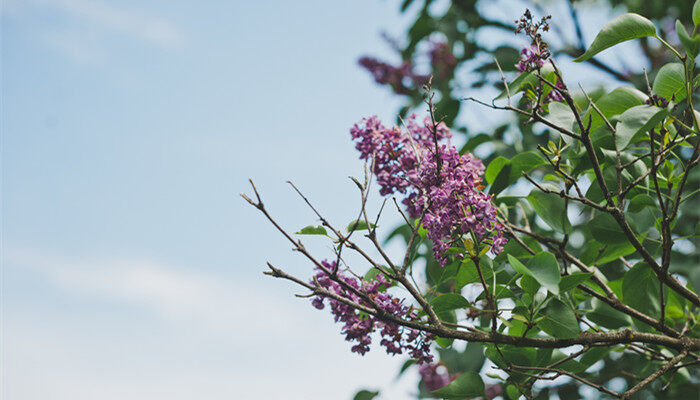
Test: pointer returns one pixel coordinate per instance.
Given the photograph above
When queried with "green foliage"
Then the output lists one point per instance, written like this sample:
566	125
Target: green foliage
468	384
365	395
570	248
621	29
312	230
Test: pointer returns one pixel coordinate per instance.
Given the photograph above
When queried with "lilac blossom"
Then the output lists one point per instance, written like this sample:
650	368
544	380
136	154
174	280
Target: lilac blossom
442	59
437	376
530	59
434	376
450	197
402	79
358	327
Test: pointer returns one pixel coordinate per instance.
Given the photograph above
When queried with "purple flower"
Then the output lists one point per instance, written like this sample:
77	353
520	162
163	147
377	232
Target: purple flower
451	198
402	79
357	326
530	58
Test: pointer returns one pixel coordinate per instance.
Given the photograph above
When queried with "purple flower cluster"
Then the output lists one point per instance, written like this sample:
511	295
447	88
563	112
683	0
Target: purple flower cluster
434	376
448	192
554	95
358	326
530	58
395	154
442	59
656	100
402	79
437	376
456	207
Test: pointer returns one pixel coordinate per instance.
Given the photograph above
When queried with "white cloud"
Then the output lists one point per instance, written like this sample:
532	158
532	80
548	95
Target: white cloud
82	28
171	293
142	329
154	30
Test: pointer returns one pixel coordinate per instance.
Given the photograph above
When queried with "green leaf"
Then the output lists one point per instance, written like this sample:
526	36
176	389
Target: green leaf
608	317
550	207
467	385
640	289
638	119
594	355
512	170
569	282
518	266
524	162
545	269
365	395
691	45
512	392
670	82
561	115
606	230
448	302
529	284
312	230
623	28
406	365
640	201
614	103
560	322
696	13
494	168
474	142
359	225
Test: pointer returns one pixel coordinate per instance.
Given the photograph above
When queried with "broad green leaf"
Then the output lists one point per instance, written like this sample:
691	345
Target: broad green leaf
501	292
569	282
513	392
474	142
366	395
468	274
550	207
512	171
359	225
640	201
467	385
521	356
691	45
568	365
592	252
594	355
545	269
502	180
406	365
448	302
614	103
529	284
518	266
561	115
312	230
670	82
623	28
640	289
696	13
606	230
524	162
635	120
494	168
608	317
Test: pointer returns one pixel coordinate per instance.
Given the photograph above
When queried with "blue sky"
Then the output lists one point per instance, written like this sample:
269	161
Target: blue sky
130	266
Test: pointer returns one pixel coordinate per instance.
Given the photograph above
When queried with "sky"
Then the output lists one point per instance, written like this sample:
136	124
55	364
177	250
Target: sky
131	268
